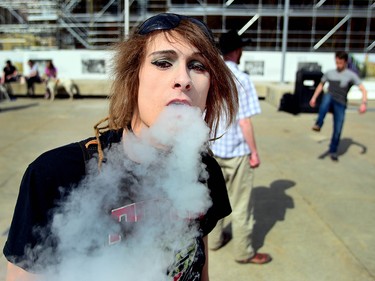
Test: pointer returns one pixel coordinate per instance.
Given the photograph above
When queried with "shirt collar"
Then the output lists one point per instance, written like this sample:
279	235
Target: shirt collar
232	64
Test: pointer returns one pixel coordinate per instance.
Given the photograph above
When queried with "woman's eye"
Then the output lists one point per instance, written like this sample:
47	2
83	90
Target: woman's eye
197	66
162	63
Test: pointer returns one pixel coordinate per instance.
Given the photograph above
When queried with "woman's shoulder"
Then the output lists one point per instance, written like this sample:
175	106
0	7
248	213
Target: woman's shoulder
64	152
59	162
73	152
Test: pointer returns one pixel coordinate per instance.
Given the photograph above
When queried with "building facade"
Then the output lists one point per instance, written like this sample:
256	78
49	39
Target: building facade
273	25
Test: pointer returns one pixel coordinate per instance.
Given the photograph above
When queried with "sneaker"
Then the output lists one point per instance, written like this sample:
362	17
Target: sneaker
334	157
316	128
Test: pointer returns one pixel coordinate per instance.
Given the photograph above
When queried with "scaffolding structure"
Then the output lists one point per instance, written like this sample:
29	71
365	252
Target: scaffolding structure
316	25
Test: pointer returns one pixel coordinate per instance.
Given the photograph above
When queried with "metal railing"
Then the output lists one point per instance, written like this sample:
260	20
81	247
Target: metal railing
91	24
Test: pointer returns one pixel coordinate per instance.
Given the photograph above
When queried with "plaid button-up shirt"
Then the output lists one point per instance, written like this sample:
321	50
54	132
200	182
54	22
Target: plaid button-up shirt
232	143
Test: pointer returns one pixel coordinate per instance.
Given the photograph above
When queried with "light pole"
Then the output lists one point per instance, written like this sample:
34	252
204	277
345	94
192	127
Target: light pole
126	18
285	39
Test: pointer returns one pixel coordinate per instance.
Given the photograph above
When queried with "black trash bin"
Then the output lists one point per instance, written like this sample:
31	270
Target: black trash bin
305	85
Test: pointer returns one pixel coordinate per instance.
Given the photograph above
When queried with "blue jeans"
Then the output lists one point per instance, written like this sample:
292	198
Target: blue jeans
338	111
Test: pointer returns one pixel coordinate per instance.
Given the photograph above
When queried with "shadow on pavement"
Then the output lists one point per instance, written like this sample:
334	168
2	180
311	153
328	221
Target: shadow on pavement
17	107
270	206
344	145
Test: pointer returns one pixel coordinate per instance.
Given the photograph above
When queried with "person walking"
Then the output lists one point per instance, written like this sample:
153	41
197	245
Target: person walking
340	81
237	154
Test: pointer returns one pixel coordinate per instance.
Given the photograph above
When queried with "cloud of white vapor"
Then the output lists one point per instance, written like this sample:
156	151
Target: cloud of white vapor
150	183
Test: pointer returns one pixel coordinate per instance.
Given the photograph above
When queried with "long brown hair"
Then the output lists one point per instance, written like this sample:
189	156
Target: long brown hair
129	56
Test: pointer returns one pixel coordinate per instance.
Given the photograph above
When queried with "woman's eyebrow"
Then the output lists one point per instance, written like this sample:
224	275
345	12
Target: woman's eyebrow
173	52
198	54
163	52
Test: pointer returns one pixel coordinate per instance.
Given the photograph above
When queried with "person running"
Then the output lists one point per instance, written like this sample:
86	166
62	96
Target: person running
340	81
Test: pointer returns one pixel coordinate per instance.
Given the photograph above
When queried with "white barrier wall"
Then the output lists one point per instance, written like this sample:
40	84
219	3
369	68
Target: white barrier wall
77	64
267	66
86	64
262	66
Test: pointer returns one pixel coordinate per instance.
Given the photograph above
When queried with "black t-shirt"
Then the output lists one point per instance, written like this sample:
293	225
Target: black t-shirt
55	173
8	71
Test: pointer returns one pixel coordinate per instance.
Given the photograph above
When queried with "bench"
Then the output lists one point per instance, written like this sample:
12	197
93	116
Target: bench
86	87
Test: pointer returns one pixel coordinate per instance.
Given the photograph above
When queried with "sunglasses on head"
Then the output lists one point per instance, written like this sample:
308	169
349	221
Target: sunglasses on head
167	21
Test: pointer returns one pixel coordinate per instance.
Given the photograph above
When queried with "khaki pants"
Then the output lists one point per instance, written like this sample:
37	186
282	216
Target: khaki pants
239	180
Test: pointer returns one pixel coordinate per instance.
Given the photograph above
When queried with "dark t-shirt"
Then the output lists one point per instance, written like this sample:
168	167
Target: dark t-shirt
340	83
55	173
8	71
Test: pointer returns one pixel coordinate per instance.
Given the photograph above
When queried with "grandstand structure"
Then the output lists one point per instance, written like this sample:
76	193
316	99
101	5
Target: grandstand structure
296	25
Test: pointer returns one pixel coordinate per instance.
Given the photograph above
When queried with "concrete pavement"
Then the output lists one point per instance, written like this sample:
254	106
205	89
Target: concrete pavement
314	216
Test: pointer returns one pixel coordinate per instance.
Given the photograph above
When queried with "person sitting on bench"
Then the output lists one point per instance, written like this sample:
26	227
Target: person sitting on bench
10	74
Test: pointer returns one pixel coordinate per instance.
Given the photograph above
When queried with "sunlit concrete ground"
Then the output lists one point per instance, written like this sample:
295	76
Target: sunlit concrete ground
315	217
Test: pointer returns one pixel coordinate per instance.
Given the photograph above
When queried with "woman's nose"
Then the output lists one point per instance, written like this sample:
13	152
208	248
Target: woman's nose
182	81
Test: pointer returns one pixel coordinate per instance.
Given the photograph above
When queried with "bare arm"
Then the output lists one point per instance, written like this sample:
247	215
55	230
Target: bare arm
363	106
16	273
248	132
317	92
205	276
14	74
